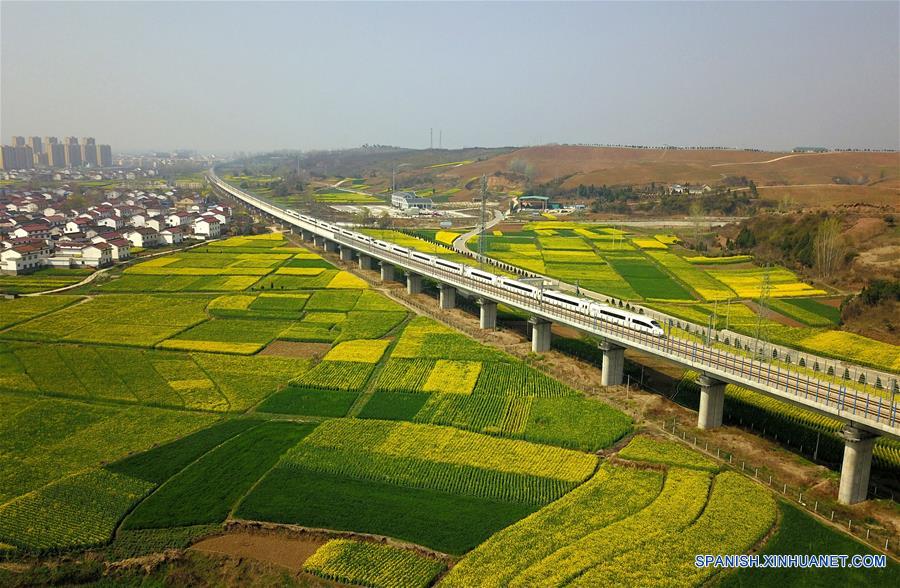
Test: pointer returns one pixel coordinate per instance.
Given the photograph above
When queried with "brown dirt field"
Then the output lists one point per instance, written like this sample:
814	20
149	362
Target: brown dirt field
775	316
865	229
295	349
281	550
834	194
887	257
610	165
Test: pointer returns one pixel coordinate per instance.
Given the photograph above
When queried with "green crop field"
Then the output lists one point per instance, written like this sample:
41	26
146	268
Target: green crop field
251	380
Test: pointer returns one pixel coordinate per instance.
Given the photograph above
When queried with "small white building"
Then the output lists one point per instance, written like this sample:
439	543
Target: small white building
120	248
94	255
407	200
207	227
172	235
112	222
143	237
23	259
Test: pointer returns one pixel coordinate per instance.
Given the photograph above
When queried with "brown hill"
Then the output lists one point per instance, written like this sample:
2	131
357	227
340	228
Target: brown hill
616	166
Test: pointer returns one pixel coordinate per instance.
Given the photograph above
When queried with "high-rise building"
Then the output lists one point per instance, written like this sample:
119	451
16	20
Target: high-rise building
104	155
36	145
51	141
89	151
73	153
7	157
24	157
56	155
18	141
71	140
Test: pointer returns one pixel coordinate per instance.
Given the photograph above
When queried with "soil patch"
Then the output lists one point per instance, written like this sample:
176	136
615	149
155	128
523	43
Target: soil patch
281	550
295	349
772	315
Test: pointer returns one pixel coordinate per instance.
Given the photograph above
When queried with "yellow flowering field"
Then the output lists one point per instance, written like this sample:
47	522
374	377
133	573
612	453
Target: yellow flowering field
588	233
647	243
359	350
702	259
455	377
446	237
747	283
498	233
667	239
612	494
231	302
211	346
372	564
347	280
854	347
300	271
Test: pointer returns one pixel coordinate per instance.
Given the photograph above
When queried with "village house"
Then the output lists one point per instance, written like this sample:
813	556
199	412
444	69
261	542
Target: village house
144	237
172	235
207	227
179	219
112	222
23	258
120	248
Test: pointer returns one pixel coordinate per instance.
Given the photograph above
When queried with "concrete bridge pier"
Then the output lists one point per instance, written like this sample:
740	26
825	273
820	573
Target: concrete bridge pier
319	241
712	403
488	318
387	272
413	283
365	262
306	235
857	464
540	334
346	254
448	296
613	368
330	246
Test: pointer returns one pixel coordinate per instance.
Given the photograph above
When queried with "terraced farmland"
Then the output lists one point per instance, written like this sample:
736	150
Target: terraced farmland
149	410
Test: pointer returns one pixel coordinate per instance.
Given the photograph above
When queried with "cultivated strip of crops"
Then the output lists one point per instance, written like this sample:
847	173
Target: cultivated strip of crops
372	564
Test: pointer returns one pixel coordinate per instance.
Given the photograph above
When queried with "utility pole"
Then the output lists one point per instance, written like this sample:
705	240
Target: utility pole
483	222
764	290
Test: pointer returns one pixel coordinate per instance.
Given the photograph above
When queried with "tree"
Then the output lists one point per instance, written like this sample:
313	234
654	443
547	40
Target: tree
829	247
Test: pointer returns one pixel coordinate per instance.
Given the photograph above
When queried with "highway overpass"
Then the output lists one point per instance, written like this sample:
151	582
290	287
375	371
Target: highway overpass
866	416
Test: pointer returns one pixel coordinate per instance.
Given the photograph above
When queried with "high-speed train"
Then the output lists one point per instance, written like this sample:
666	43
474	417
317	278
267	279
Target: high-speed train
602	312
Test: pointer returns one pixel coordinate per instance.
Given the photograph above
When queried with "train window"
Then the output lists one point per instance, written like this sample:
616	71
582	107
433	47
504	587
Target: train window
558	299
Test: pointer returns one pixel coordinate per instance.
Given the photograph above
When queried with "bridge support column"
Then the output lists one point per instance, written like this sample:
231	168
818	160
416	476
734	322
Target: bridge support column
330	246
387	272
448	296
306	235
488	318
857	464
346	254
319	241
540	334
413	284
613	364
365	262
712	403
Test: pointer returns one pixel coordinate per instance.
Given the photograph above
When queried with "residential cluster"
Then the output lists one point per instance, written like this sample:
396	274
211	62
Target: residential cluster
72	152
37	230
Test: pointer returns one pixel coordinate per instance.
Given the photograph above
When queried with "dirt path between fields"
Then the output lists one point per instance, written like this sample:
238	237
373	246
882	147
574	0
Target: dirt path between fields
278	549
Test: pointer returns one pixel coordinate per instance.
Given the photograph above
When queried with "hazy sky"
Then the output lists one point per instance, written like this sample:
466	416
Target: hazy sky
253	76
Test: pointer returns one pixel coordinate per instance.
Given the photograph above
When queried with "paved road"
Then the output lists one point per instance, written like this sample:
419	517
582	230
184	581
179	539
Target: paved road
459	243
